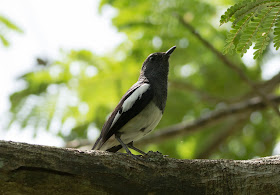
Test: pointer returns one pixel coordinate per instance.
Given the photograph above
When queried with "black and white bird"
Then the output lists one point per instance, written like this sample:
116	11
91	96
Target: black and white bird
140	109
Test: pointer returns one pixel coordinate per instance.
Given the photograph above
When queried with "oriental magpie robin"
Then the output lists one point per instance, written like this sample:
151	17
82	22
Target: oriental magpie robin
140	109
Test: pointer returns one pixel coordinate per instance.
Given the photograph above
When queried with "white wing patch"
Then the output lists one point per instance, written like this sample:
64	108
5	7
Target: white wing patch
128	103
137	94
115	119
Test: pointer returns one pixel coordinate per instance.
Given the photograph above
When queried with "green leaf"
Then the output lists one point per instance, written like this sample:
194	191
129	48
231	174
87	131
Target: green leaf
253	21
229	46
263	34
249	33
276	40
230	12
10	25
5	42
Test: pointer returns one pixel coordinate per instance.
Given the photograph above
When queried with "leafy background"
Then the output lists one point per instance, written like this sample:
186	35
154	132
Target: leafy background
71	96
252	21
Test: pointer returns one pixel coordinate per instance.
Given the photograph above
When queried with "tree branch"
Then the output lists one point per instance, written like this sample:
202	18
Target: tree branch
266	87
182	129
200	93
228	63
34	169
234	126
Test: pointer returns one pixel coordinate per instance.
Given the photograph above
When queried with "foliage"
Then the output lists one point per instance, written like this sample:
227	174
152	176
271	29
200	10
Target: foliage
252	22
72	96
6	27
57	102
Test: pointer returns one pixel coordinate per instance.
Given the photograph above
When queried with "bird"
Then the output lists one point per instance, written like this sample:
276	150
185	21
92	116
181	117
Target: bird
140	109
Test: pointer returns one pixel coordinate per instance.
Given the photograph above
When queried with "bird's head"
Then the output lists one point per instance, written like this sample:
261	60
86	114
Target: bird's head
156	65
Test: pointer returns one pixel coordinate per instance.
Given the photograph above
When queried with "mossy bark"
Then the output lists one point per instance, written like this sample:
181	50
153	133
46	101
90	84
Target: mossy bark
35	169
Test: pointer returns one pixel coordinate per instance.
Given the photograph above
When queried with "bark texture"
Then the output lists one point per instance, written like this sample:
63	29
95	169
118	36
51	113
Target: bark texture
35	169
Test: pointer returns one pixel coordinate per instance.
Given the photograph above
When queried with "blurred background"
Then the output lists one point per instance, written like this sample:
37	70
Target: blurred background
66	64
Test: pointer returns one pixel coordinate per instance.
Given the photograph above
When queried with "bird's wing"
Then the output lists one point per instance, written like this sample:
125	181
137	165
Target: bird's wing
131	104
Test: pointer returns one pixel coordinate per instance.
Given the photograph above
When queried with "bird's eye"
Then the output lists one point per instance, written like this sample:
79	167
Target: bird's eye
152	58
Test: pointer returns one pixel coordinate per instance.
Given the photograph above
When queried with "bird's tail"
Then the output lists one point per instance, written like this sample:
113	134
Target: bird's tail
97	144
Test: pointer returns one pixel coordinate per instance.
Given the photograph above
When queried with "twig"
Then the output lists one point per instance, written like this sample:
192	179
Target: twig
202	94
228	63
271	84
265	86
205	120
234	126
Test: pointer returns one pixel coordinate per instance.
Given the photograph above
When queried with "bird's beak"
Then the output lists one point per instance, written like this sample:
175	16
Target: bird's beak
169	52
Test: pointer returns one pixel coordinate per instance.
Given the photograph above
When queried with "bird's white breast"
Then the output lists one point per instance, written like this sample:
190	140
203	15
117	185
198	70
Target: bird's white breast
141	124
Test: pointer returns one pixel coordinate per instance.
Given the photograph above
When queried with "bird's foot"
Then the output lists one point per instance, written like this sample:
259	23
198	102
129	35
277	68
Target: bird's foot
135	157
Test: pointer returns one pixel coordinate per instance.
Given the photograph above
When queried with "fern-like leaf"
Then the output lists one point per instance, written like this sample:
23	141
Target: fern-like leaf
277	34
253	21
263	35
248	35
230	12
236	12
234	32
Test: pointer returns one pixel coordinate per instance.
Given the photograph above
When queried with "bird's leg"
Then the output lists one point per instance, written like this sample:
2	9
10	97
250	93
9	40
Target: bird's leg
123	144
130	145
126	148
